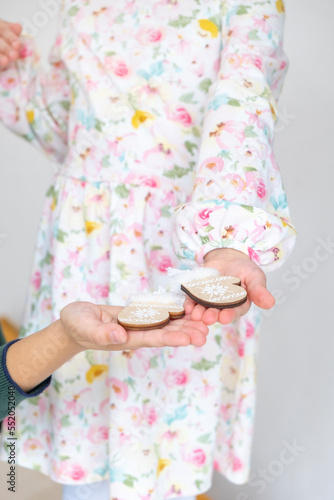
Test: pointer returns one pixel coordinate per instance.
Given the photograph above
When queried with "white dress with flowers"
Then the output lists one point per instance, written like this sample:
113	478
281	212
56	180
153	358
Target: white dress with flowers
150	106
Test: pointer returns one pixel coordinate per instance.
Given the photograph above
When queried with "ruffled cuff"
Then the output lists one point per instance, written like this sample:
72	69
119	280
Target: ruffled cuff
203	226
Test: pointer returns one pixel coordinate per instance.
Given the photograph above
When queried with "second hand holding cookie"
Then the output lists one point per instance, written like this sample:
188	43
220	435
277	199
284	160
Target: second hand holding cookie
232	262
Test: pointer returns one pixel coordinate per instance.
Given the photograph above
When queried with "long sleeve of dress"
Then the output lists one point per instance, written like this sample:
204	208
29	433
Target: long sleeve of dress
238	200
35	103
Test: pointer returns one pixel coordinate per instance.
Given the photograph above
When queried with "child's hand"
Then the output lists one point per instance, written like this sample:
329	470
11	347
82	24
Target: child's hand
231	262
9	43
95	327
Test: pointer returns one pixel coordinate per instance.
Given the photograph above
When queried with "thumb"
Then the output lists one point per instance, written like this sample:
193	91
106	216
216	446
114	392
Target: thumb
259	294
110	334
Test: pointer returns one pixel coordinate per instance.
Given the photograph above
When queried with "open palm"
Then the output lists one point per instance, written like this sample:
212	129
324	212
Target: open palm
231	262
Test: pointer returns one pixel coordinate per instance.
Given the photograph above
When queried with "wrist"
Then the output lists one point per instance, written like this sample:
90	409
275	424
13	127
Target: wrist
72	347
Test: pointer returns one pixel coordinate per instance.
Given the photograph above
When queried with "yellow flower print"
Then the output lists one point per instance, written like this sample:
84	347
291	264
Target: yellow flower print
273	111
30	116
280	6
140	117
163	462
209	26
95	371
91	226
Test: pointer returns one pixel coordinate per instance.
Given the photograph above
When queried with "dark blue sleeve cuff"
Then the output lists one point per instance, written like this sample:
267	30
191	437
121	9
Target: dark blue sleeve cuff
34	392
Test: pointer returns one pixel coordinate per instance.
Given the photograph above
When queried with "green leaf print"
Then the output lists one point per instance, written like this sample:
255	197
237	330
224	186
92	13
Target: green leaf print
110	53
248	208
65	421
65	104
205	85
249	131
131	383
234	102
218	339
122	191
154	362
165	212
181	22
61	235
205	438
98	125
204	239
253	35
188	98
56	385
156	247
225	154
204	364
176	173
208	228
129	481
196	132
64	457
243	9
105	161
250	169
73	10
190	147
198	483
121	266
120	18
67	272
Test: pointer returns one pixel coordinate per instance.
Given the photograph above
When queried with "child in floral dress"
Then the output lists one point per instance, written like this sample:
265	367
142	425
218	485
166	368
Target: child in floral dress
160	115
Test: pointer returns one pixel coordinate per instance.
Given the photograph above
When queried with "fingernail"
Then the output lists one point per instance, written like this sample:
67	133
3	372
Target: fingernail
115	338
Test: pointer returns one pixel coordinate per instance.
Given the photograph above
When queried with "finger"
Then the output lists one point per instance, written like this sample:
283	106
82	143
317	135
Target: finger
260	295
109	334
210	316
180	323
11	37
198	312
5	47
16	28
226	316
189	305
173	339
4	61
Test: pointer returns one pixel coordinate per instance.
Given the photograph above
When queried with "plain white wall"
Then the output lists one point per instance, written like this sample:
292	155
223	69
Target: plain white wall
296	371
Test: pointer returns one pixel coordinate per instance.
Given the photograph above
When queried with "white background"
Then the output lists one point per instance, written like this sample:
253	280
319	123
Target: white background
296	371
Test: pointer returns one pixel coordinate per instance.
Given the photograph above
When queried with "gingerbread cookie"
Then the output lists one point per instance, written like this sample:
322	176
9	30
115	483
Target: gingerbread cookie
208	288
147	312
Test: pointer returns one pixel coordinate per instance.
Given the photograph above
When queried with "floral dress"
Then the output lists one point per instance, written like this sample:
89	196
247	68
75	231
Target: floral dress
159	115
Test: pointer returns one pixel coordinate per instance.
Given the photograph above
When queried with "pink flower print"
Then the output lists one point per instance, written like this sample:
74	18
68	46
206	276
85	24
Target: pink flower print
148	36
116	66
8	82
135	415
237	464
260	189
176	378
262	24
144	180
237	182
234	60
241	349
164	262
120	239
26	51
46	305
150	414
32	444
138	362
77	472
97	434
250	330
120	388
47	437
215	164
230	134
196	457
98	291
36	280
181	116
204	215
253	255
